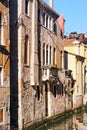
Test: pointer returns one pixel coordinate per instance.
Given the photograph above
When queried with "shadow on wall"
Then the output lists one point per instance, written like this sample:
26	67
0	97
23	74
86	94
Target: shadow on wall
13	64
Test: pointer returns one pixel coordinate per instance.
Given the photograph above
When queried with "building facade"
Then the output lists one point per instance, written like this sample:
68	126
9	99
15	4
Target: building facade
31	60
36	49
4	64
75	60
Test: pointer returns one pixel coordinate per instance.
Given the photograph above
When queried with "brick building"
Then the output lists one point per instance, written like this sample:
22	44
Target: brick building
36	52
4	63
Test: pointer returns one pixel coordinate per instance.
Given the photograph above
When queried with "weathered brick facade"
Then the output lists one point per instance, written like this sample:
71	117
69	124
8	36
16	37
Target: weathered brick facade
4	64
34	84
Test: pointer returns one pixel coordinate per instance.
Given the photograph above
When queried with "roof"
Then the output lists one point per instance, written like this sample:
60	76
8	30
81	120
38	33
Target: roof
48	7
69	41
77	56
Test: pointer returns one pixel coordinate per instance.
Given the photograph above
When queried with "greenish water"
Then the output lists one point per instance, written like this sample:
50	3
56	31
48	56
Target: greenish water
75	122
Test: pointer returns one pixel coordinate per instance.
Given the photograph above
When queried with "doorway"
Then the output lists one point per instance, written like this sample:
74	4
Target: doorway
46	99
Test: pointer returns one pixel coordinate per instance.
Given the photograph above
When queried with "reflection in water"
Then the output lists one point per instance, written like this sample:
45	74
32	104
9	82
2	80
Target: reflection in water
77	122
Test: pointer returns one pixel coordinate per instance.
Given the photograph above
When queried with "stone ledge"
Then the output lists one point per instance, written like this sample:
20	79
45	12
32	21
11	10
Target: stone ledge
45	122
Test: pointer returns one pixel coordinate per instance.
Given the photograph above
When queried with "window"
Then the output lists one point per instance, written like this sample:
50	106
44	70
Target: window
77	88
77	67
0	28
60	89
47	54
65	60
55	91
85	88
50	23
50	55
38	15
1	59
26	50
61	57
2	23
1	115
42	90
55	28
47	21
38	92
61	34
27	7
44	54
53	56
44	19
1	76
85	70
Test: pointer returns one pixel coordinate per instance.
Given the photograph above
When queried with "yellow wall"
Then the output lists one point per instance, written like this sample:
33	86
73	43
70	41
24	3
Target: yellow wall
75	63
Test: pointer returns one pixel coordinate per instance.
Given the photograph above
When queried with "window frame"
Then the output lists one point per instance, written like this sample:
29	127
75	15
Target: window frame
27	7
47	54
43	53
26	51
1	76
50	54
54	55
1	115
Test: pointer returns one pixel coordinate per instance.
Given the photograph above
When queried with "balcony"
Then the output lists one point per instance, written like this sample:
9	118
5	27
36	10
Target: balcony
68	73
49	72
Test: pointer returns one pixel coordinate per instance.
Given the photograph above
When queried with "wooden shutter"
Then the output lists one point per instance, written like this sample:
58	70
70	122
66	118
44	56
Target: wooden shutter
1	59
1	115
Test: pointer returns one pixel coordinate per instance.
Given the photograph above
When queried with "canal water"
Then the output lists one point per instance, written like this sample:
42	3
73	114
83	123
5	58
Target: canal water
75	122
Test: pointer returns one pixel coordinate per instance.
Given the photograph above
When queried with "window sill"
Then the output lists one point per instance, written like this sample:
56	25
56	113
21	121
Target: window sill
2	46
1	123
26	65
1	66
28	16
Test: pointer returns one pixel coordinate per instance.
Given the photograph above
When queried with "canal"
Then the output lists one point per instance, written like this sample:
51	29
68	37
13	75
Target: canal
75	122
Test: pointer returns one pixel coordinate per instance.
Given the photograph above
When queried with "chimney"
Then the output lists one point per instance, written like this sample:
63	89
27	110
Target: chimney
51	2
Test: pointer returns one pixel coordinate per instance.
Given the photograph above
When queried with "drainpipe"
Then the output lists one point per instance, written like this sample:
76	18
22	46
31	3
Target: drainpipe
20	65
34	80
32	67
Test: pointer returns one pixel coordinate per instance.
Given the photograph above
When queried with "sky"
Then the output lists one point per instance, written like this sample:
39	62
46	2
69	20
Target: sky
75	14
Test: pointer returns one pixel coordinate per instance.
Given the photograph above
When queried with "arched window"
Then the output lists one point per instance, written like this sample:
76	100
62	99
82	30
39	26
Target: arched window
39	15
27	7
26	50
61	53
47	21
50	55
55	28
54	50
44	54
44	19
38	93
50	23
